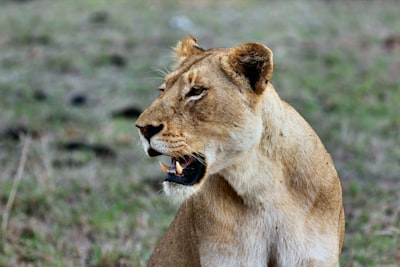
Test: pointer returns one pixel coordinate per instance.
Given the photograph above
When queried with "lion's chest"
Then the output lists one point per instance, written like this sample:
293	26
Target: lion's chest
235	243
233	235
260	239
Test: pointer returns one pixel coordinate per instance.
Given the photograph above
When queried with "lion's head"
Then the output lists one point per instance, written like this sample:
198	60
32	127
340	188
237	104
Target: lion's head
207	112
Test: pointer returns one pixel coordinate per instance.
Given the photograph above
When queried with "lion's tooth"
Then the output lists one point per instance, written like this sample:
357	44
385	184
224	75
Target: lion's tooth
179	168
164	167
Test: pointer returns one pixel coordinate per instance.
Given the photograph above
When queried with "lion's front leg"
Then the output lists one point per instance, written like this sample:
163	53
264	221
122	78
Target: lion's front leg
178	247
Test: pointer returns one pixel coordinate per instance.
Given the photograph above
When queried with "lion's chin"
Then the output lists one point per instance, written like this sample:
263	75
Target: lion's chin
179	193
184	176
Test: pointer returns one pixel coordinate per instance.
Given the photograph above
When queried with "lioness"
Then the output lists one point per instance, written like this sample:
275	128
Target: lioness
258	186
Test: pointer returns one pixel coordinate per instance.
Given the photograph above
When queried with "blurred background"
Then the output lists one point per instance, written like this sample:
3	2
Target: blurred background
75	186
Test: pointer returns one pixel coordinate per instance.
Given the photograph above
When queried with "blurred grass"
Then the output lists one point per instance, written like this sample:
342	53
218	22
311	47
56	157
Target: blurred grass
67	66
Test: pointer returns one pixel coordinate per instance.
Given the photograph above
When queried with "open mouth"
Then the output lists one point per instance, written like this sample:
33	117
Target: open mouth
186	170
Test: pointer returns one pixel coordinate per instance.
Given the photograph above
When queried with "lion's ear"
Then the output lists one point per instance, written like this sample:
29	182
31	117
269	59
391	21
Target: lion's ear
186	48
255	62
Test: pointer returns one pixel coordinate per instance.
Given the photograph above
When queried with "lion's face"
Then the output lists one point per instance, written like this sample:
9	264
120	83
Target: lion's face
206	113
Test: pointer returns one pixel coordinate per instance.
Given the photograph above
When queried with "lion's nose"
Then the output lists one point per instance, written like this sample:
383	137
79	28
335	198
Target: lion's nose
149	131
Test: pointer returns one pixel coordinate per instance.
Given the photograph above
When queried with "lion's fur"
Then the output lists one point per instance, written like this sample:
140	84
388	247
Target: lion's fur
271	195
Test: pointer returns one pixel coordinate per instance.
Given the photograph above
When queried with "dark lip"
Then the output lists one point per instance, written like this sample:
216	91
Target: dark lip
153	153
192	174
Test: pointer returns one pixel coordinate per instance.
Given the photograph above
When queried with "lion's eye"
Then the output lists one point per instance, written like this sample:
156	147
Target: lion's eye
162	88
196	91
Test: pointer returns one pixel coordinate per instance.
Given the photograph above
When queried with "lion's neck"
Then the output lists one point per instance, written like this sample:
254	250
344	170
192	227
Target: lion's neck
258	183
257	174
261	175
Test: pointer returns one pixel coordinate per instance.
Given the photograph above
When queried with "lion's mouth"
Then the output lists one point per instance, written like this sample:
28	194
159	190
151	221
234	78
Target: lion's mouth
186	170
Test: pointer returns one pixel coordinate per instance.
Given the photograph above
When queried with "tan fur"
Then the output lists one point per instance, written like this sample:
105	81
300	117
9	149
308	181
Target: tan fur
271	195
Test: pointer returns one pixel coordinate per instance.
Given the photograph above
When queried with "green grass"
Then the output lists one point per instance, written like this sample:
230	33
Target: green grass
333	62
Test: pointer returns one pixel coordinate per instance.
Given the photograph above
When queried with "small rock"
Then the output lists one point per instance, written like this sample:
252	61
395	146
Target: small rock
99	17
39	95
117	60
15	132
78	99
129	112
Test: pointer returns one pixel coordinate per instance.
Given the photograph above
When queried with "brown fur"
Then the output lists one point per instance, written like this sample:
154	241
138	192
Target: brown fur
271	195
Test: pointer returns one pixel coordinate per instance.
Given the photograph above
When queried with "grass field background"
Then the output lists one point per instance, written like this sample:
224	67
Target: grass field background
75	74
